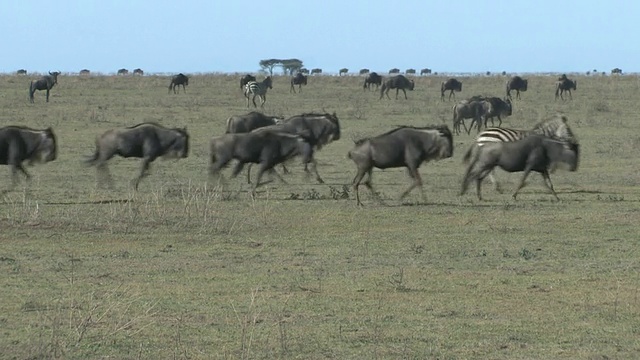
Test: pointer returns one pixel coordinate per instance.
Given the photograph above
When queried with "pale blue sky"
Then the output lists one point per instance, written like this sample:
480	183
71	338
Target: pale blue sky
233	36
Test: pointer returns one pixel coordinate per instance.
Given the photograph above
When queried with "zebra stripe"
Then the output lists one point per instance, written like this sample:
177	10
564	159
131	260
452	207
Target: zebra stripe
556	128
257	89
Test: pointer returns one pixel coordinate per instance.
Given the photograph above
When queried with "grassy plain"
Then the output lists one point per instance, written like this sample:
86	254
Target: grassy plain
181	270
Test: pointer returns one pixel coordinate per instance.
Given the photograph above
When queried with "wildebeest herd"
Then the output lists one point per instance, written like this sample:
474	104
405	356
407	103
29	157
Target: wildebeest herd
268	141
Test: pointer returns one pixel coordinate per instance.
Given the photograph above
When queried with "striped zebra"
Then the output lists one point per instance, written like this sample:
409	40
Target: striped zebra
556	127
257	89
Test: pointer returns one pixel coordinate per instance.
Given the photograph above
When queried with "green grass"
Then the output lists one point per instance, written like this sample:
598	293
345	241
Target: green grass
183	270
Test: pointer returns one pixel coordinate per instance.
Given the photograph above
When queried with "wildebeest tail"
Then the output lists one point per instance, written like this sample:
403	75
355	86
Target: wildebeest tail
91	159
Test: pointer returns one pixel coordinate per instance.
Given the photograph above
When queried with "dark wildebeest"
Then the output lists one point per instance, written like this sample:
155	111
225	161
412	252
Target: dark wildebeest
299	80
177	80
394	71
364	71
123	72
138	71
563	85
425	71
467	109
304	71
267	148
518	84
18	143
398	82
85	72
343	71
245	79
495	107
44	83
616	71
316	71
533	153
146	140
372	79
401	147
450	85
246	123
21	72
258	89
410	71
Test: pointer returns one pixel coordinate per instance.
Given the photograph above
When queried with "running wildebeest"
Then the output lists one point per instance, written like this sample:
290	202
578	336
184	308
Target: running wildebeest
246	123
316	71
258	89
21	72
467	109
372	79
564	84
394	71
518	84
146	140
123	72
533	153
398	82
363	71
401	147
19	143
177	80
299	80
138	71
343	71
267	148
44	83
245	80
616	71
425	71
84	72
451	85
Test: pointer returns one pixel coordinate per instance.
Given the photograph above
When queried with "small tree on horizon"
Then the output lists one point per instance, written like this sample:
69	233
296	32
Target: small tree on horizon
269	64
289	66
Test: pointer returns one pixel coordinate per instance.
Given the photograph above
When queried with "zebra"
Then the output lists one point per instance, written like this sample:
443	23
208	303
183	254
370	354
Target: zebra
257	89
555	127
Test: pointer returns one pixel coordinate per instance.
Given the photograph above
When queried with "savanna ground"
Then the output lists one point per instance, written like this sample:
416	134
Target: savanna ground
183	270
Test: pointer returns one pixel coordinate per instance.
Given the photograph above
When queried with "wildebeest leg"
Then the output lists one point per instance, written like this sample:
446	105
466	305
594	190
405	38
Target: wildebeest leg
356	183
524	177
548	184
314	167
417	181
144	168
495	183
405	94
237	169
47	94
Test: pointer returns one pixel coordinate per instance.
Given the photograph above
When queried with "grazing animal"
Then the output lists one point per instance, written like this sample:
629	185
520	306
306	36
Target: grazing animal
245	79
398	82
178	80
246	123
616	71
257	89
410	71
556	127
343	71
85	72
138	71
299	80
123	72
533	153
146	140
46	82
316	71
401	147
564	84
18	143
394	71
467	110
450	85
425	71
21	72
267	148
518	84
363	71
372	79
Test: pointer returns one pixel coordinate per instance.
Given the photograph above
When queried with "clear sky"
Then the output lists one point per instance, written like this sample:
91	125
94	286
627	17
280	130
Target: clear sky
233	36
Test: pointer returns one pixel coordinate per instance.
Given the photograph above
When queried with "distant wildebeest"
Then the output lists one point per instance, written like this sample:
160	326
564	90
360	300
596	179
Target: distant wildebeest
533	153
425	71
138	71
258	89
364	71
563	85
123	72
146	140
450	85
372	79
21	72
85	72
177	80
343	71
316	71
18	143
246	123
304	71
266	148
401	147
46	82
616	71
394	71
299	80
245	79
467	110
398	82
518	84
410	71
556	127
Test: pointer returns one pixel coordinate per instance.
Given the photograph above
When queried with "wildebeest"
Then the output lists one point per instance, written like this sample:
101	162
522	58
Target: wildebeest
21	72
316	71
85	72
518	84
44	83
410	71
19	143
343	71
495	107
304	71
533	153
398	82
425	71
565	84
146	140
267	148
363	71
467	110
299	80
246	123
372	79
138	71
401	147
245	79
616	71
123	72
177	80
258	89
394	71
451	85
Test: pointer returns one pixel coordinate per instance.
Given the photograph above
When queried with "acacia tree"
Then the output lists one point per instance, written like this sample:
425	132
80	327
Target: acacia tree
289	66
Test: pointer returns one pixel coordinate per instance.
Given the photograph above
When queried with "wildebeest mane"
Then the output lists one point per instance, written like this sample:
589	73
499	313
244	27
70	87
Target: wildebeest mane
443	129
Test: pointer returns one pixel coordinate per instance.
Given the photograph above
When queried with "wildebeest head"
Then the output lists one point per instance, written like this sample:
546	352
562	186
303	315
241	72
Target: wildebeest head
268	82
445	142
54	76
180	146
412	84
47	149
